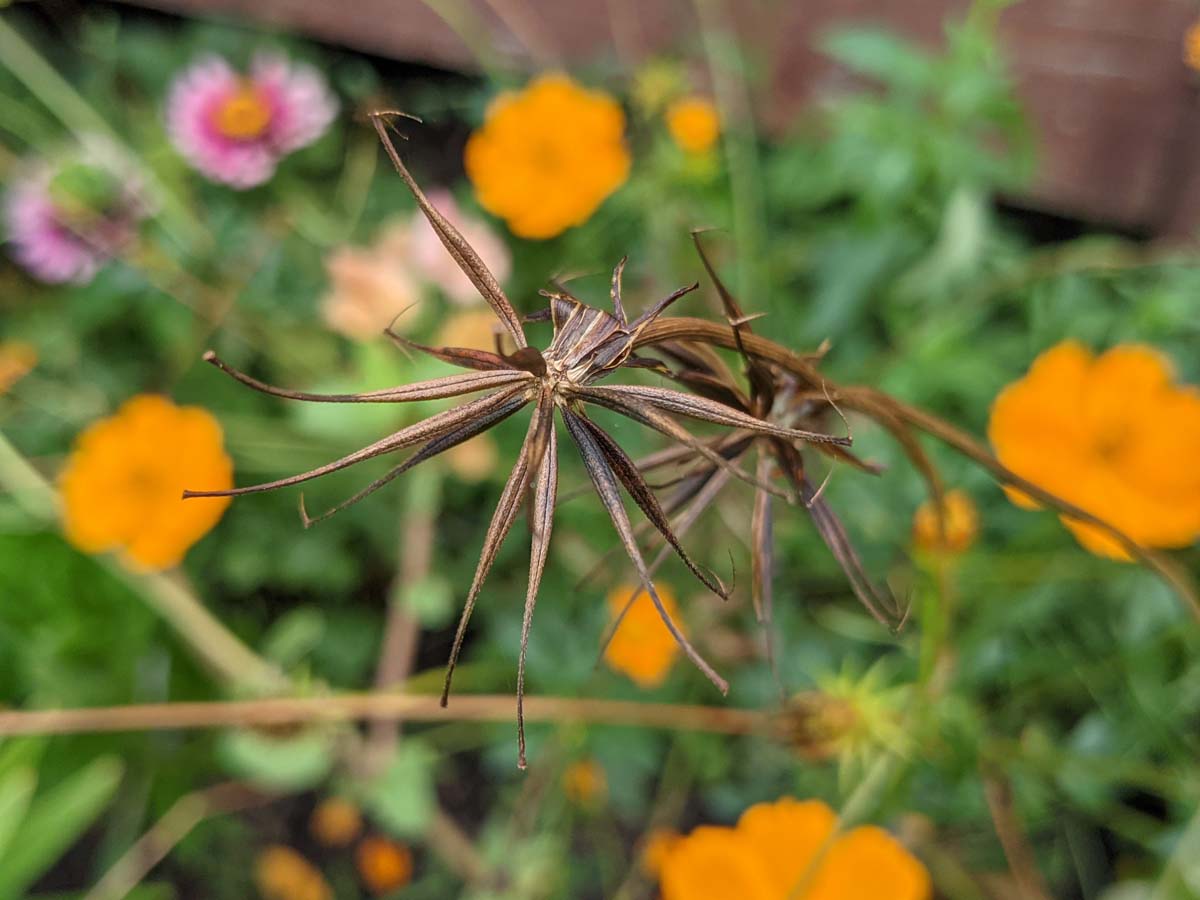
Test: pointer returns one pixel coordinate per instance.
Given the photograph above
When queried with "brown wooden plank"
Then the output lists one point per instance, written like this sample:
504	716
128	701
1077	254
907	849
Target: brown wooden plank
1110	100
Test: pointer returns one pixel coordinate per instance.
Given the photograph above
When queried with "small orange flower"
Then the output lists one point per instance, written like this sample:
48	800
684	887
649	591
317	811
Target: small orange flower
546	157
642	648
1112	434
657	847
1191	47
384	865
961	521
777	848
16	359
335	822
694	124
868	863
280	873
584	782
122	487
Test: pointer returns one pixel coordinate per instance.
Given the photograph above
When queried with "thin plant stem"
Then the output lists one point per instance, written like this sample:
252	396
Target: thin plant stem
1022	862
398	650
176	824
270	711
727	67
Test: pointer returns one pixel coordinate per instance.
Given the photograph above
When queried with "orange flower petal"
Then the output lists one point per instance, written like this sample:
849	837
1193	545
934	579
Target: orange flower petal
122	486
786	836
642	648
715	863
870	864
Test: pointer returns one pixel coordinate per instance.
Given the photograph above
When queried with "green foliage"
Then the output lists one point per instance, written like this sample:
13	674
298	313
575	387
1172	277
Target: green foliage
1073	676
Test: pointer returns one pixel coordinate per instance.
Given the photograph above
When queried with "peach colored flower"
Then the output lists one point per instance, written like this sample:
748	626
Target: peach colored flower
1112	434
961	521
475	329
777	849
122	487
431	263
694	124
642	648
370	286
547	156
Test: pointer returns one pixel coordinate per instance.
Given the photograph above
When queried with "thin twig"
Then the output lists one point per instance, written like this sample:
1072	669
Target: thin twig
1022	862
177	823
398	650
373	706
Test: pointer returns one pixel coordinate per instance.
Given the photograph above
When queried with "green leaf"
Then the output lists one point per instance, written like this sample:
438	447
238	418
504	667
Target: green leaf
881	55
55	821
278	763
16	790
294	636
402	798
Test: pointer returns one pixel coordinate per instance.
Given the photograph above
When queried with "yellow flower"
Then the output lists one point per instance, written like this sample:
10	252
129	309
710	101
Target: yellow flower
335	822
280	873
546	157
584	782
694	124
960	518
122	487
16	359
642	648
370	286
1191	47
1112	434
776	848
383	865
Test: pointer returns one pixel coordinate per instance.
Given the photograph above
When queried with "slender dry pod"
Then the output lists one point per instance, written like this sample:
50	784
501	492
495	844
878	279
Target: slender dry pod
587	344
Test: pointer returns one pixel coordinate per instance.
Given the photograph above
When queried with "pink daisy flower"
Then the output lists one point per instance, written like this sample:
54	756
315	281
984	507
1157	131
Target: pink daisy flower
65	224
236	128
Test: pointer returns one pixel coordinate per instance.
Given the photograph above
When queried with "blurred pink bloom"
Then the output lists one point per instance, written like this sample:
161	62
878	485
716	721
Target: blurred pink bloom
236	128
370	286
433	264
63	225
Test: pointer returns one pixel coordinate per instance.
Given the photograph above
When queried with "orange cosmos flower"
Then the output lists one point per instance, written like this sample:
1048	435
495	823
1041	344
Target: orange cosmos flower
384	865
280	873
546	157
16	359
694	124
1112	434
776	848
961	521
642	648
122	488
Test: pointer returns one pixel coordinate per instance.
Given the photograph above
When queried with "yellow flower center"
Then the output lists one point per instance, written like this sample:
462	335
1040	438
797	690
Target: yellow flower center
244	114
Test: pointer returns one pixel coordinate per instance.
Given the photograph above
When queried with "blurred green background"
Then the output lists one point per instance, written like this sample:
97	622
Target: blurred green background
1070	680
